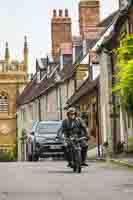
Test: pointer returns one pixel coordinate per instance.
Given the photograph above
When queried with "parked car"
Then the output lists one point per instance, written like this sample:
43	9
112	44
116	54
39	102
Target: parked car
45	140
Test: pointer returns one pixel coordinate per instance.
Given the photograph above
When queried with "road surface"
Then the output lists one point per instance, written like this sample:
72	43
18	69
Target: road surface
50	180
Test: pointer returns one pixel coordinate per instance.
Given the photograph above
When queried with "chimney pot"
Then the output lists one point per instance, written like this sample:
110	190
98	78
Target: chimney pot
66	12
60	13
54	13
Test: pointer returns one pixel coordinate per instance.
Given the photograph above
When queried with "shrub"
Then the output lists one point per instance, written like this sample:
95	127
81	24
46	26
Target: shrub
124	75
120	147
6	156
130	144
14	152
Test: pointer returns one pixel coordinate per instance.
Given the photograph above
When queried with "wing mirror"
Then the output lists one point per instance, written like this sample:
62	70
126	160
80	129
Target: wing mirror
32	133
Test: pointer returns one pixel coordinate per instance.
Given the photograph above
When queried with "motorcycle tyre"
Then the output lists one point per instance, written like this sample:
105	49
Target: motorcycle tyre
78	167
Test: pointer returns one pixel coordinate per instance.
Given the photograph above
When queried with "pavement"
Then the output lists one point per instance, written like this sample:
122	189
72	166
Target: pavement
52	180
124	160
128	162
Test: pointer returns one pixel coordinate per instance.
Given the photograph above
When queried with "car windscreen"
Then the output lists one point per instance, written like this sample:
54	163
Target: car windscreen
49	128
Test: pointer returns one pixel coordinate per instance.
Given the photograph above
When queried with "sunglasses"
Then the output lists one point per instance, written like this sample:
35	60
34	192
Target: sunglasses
72	114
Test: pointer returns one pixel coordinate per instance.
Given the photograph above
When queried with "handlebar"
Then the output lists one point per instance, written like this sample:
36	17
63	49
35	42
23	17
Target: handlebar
77	139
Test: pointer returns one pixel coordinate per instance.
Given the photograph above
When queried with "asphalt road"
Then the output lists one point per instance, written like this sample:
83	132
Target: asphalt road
49	180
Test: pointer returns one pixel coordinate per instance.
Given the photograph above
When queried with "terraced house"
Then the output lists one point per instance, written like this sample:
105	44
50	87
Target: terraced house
73	67
116	123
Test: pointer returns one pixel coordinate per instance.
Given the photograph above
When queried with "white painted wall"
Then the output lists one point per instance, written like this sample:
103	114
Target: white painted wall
105	97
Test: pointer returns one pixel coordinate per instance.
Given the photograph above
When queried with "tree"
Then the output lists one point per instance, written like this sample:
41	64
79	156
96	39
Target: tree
124	75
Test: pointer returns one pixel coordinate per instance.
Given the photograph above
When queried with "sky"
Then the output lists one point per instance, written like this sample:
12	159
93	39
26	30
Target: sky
32	18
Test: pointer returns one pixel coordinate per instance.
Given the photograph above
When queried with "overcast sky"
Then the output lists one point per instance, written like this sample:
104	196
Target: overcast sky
32	18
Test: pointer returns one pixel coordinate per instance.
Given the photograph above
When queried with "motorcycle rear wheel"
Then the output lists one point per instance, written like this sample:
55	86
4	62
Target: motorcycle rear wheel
79	170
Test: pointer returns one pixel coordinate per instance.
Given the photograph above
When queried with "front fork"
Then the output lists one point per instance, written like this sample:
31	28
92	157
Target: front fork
77	154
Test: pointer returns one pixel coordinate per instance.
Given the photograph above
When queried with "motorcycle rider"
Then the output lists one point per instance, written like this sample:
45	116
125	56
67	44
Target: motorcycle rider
75	125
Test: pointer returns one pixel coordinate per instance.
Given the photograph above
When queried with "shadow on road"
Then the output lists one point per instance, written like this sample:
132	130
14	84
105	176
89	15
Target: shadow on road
59	172
63	172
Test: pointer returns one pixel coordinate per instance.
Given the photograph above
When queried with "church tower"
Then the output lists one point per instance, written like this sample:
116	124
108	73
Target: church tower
25	54
13	79
7	54
89	16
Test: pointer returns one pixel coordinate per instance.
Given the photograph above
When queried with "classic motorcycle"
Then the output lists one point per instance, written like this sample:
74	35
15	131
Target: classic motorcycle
75	149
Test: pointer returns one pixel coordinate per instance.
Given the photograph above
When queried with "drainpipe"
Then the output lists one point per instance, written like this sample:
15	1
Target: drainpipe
97	120
90	68
114	106
61	115
17	135
75	82
39	109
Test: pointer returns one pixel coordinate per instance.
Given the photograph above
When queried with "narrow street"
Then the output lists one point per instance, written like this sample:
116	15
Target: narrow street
50	180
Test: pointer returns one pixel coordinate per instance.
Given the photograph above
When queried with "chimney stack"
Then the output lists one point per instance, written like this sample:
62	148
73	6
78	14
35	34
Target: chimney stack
54	13
66	13
89	16
61	32
60	13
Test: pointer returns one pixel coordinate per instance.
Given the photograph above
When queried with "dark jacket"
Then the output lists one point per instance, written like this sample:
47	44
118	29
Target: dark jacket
76	126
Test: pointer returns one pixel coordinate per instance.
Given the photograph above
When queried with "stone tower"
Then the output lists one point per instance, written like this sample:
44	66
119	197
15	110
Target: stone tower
25	54
13	79
89	16
7	54
60	31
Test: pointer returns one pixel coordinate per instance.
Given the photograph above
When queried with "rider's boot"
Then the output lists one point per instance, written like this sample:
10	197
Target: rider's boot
84	164
70	165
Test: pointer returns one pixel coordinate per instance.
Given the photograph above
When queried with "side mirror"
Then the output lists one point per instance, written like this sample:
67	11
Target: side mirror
32	133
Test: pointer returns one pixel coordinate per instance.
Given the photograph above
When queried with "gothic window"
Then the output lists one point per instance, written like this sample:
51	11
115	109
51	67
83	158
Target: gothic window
4	103
14	67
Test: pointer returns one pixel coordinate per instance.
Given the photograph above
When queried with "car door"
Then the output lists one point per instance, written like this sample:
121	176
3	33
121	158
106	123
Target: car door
31	138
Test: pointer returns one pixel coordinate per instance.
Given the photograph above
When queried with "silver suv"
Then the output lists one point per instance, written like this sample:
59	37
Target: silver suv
45	140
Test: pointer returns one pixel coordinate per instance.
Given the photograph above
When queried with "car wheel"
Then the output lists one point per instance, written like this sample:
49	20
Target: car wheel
35	158
29	157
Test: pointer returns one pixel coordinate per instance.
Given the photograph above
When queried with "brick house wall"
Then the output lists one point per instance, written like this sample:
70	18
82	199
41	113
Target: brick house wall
89	17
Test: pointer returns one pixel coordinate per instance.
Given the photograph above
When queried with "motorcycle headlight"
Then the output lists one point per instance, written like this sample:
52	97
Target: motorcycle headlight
38	145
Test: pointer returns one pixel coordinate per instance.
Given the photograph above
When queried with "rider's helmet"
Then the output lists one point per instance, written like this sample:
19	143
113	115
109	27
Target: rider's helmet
71	110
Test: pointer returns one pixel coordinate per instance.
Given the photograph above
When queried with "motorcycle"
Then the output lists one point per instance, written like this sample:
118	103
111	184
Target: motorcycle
75	150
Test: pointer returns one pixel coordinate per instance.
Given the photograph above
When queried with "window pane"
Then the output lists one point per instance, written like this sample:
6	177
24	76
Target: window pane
3	103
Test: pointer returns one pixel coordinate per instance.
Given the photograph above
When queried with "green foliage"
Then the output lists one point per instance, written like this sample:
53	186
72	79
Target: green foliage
7	156
14	152
124	86
130	144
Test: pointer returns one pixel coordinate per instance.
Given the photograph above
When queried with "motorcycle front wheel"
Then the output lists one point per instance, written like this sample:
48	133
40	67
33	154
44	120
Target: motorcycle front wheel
77	167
